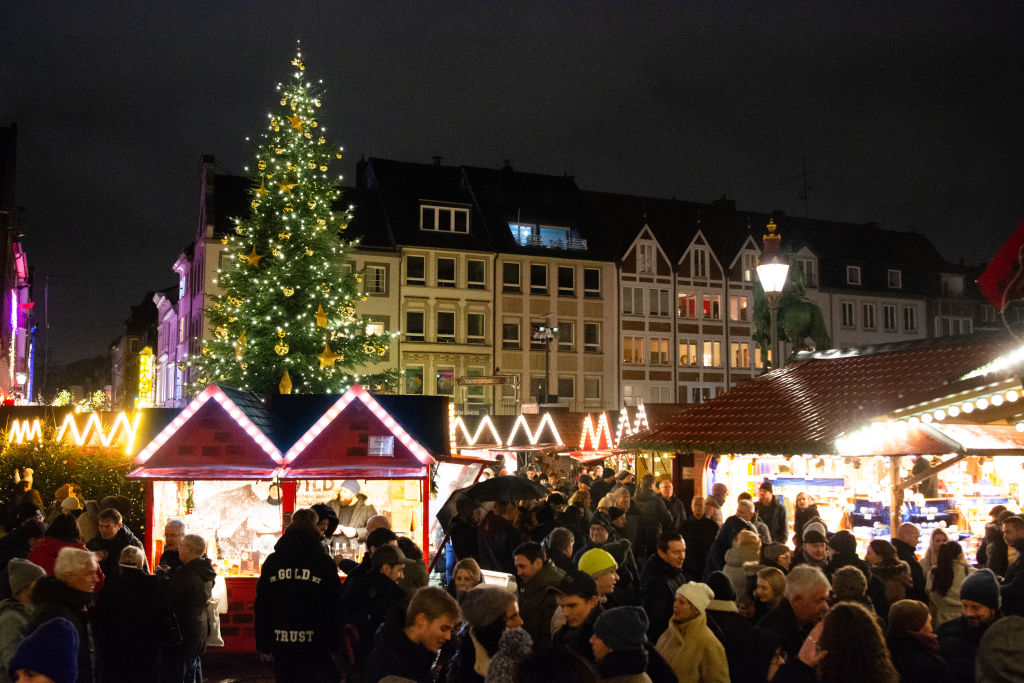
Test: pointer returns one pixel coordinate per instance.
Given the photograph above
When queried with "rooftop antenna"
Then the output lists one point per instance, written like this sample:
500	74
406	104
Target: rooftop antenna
805	189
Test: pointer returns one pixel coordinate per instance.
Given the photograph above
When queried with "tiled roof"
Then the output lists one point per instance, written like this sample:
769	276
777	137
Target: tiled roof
803	407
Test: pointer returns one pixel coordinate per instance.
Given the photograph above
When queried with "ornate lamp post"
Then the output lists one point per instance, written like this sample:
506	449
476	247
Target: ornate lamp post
547	335
772	270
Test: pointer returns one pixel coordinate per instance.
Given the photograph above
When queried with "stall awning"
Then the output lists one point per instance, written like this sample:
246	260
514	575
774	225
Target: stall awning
900	438
593	456
804	407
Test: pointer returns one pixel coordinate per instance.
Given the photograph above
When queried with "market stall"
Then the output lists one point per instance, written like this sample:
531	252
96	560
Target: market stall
859	430
235	468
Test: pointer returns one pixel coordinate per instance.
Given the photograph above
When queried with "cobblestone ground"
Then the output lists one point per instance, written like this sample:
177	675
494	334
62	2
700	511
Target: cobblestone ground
236	667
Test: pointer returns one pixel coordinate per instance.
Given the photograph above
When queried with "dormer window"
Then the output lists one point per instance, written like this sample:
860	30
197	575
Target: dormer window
853	275
444	219
699	262
749	267
895	278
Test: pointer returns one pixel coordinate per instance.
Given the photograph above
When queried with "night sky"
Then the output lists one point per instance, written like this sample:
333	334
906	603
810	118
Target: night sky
909	116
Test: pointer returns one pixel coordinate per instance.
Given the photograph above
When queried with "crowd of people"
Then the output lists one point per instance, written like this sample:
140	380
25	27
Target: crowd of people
80	603
614	580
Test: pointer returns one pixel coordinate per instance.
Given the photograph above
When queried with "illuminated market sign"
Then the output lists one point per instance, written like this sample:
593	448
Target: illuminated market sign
147	379
81	429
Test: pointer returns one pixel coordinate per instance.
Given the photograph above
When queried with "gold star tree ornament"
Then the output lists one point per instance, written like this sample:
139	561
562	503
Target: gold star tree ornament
328	358
253	258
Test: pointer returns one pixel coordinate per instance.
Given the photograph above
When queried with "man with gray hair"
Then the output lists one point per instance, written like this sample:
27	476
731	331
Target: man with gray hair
69	593
723	541
174	531
189	590
804	604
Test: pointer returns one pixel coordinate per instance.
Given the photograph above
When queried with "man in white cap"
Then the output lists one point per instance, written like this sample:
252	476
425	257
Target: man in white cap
353	512
688	645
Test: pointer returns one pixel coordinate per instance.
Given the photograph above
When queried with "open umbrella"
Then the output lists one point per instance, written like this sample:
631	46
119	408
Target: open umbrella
505	488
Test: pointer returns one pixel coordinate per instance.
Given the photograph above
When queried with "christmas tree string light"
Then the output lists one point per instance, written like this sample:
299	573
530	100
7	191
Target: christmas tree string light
285	319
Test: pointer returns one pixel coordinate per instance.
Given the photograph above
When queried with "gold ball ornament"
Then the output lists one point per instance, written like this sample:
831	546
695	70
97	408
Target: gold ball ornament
244	365
309	252
281	348
281	333
322	140
314	123
312	164
321	221
221	332
323	168
276	253
382	350
288	291
262	165
279	150
238	229
284	101
206	351
223	240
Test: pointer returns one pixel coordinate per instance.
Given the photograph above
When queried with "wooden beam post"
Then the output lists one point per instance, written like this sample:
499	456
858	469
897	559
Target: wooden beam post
896	500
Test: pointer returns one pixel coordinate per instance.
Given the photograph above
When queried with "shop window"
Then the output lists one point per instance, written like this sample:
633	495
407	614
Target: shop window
889	317
415	270
633	300
566	387
445	378
687	305
414	326
712	306
510	338
868	312
446	327
538	278
474	328
658	349
688	353
592	337
566	281
510	278
445	272
566	335
414	380
712	354
476	274
738	308
895	278
846	307
591	283
592	388
375	281
853	275
909	319
633	350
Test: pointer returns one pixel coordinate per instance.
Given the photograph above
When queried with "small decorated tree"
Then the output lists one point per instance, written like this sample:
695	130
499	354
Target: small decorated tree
287	319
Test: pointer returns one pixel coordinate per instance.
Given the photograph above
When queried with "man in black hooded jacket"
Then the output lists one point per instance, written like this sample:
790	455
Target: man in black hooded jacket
297	603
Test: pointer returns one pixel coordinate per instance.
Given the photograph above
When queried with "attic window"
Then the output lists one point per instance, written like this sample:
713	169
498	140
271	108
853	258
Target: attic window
444	219
853	275
895	278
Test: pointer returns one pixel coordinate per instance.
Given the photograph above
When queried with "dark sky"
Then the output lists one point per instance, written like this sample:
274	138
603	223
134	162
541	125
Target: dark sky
911	115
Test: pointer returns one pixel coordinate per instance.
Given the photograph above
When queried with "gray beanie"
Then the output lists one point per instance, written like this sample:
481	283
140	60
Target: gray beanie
21	573
483	605
1000	656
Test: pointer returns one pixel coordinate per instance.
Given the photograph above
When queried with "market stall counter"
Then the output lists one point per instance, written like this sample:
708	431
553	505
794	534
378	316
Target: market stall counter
234	468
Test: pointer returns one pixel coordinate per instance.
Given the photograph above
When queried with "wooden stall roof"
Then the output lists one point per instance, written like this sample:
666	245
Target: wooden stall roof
806	405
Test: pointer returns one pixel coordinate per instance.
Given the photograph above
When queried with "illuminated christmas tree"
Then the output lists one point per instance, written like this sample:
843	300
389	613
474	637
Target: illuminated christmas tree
287	319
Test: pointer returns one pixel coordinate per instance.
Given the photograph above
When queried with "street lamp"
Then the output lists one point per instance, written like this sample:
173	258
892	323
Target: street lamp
772	270
547	335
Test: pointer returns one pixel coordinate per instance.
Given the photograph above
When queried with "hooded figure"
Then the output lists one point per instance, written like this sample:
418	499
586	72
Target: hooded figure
688	645
845	546
327	525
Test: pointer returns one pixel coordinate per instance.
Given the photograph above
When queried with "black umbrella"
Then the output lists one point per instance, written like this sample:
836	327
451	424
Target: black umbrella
505	488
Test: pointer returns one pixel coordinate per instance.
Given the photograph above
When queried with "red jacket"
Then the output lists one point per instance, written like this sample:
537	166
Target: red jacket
45	555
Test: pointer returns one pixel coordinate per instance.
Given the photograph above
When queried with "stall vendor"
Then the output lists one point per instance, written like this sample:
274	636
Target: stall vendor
353	511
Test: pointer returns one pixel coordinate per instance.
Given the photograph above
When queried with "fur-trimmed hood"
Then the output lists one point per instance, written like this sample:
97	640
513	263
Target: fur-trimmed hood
889	572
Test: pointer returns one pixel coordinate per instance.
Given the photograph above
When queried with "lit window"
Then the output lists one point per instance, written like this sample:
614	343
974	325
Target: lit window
713	306
445	378
738	308
749	267
687	305
712	354
633	350
658	351
739	352
688	353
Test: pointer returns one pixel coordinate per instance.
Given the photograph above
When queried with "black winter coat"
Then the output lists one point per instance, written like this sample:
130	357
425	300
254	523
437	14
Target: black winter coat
54	598
189	590
774	516
396	655
802	517
958	645
463	539
915	662
1012	590
699	535
370	601
905	552
657	518
122	539
577	639
993	551
781	623
629	574
675	508
496	539
131	615
723	542
658	583
297	598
